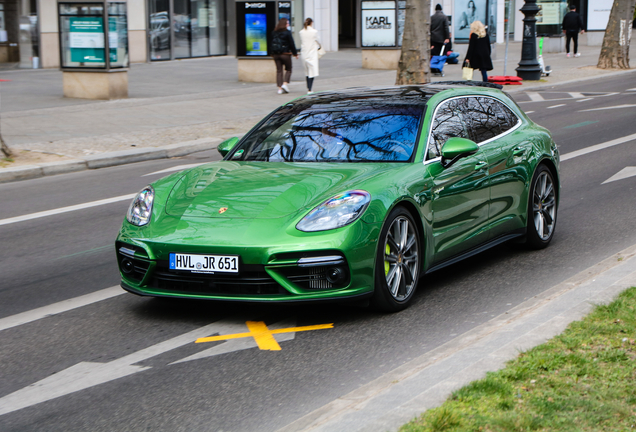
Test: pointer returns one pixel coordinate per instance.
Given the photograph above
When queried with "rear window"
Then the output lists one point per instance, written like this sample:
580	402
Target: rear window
345	131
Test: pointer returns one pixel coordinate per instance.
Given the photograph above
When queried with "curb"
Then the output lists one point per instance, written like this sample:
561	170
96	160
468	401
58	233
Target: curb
426	381
28	172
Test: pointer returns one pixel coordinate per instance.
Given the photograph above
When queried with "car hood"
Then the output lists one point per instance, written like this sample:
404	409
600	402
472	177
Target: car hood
262	189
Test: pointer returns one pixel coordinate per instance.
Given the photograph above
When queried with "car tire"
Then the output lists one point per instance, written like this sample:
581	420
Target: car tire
542	208
397	262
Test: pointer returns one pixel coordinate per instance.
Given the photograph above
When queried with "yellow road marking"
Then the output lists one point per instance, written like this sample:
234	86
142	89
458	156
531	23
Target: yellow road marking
262	335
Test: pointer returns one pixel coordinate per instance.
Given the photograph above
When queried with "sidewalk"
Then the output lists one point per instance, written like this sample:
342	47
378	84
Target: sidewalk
180	107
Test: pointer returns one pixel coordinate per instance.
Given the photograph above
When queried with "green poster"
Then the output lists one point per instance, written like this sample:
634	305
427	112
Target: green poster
113	38
86	39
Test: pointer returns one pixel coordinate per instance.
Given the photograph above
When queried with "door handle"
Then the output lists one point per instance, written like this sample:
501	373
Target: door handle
518	151
481	165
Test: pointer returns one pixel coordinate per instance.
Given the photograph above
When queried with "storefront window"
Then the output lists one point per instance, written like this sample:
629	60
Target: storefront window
159	30
198	28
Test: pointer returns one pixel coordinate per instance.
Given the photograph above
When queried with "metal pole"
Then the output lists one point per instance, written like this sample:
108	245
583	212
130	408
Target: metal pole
507	38
106	41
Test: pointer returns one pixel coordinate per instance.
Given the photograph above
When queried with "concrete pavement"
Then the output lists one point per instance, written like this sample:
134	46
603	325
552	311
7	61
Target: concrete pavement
186	106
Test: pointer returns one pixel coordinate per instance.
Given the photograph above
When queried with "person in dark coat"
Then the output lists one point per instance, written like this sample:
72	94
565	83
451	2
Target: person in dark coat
283	47
572	25
440	33
478	54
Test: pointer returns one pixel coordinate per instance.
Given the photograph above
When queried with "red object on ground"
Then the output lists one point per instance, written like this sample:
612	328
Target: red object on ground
505	80
4	80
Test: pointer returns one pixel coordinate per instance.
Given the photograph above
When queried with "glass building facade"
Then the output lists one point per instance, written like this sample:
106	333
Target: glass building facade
186	28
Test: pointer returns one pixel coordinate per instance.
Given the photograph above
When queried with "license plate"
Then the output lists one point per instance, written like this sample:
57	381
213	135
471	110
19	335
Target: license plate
204	263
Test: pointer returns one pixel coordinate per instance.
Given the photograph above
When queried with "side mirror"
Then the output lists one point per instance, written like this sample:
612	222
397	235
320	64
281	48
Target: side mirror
456	148
227	145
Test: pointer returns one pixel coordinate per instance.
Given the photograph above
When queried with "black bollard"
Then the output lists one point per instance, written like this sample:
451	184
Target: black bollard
529	68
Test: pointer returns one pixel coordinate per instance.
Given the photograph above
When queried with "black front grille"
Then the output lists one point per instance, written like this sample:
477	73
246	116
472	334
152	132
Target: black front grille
252	280
134	268
316	278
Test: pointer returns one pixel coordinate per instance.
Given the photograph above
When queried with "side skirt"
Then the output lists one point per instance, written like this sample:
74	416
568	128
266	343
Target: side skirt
479	249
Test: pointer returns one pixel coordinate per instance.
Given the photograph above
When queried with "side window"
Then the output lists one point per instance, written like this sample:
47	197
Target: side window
446	124
481	118
505	117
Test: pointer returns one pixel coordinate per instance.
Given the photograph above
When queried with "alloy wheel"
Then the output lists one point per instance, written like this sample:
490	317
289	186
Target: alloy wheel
544	205
401	258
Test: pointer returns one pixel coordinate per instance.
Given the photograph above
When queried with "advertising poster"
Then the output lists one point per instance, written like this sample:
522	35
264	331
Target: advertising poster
378	24
255	34
86	39
549	13
284	11
598	12
113	38
466	12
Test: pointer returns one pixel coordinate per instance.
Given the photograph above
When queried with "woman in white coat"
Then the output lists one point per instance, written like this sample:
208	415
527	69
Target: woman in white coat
309	46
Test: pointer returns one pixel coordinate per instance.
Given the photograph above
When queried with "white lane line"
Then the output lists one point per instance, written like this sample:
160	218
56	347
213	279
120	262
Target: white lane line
175	168
529	112
626	172
88	374
609	108
65	209
555	106
634	90
535	97
59	307
598	147
585	100
576	95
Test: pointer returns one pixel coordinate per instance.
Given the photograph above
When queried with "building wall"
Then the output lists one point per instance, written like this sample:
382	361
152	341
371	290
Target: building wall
325	16
49	39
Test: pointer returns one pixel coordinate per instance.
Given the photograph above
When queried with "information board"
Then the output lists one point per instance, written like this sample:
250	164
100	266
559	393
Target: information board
255	21
86	39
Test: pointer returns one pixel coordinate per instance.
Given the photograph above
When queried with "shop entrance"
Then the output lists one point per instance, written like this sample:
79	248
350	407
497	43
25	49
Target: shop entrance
347	23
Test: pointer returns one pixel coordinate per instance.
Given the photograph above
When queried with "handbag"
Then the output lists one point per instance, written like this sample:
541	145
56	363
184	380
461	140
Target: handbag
467	72
321	51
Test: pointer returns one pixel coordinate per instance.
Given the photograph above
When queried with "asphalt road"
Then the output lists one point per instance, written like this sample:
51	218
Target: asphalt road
110	365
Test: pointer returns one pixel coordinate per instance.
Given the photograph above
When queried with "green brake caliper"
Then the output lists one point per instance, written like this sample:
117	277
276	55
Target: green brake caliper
387	266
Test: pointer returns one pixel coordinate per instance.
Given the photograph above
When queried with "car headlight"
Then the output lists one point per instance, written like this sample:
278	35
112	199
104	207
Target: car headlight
141	207
337	212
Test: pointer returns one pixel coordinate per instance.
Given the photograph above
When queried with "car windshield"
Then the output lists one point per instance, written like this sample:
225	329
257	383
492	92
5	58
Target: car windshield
343	131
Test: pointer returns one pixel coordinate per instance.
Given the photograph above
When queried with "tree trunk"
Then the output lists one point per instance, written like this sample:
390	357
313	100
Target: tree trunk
615	50
414	66
4	147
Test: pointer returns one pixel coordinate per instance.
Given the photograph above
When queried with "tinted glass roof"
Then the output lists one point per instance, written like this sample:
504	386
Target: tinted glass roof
397	95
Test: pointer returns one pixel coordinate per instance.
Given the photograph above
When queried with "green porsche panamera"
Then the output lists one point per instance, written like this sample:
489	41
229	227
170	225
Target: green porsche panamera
346	195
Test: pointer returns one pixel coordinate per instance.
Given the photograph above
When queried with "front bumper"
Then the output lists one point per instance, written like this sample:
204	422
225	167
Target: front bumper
321	266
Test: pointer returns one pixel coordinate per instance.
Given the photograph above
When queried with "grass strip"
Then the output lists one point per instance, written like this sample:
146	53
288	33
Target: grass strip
581	380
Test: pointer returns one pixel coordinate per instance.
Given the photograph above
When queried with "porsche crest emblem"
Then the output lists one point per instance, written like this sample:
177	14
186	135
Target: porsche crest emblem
222	210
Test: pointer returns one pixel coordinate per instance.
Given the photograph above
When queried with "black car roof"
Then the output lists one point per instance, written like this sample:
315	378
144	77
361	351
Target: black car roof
409	94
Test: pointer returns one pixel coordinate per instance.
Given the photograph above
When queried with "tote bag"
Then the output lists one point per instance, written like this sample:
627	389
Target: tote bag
467	72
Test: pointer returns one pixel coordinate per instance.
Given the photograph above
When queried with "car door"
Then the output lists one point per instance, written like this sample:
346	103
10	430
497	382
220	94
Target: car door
460	192
493	126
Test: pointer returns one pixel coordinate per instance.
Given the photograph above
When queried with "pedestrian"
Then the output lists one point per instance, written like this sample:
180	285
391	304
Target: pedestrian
440	33
283	47
572	25
309	46
478	54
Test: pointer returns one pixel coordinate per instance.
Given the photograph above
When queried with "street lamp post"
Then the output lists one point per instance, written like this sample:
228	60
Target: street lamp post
529	68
